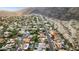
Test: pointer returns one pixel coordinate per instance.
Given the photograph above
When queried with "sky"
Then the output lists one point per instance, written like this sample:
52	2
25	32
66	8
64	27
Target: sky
11	8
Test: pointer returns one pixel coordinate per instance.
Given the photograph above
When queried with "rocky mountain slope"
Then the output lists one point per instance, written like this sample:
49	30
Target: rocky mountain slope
54	12
62	13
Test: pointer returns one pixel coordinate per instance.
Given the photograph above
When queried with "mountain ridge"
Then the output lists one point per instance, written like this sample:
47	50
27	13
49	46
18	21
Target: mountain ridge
65	13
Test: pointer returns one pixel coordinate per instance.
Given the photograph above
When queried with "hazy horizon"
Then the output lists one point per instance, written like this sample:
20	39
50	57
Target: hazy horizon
11	8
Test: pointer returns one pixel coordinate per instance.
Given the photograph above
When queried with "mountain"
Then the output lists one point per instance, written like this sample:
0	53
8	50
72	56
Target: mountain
63	13
9	13
55	12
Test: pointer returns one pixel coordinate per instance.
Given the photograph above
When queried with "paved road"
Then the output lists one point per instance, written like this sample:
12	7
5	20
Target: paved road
51	44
